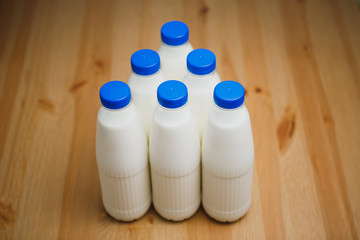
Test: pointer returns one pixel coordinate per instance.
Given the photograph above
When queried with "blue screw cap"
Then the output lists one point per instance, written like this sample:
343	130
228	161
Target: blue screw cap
174	33
229	94
115	95
145	62
201	61
172	94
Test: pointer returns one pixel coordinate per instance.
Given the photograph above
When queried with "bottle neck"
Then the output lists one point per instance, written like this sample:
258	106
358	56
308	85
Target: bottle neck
147	82
116	110
173	109
174	50
231	109
203	76
202	83
146	76
172	46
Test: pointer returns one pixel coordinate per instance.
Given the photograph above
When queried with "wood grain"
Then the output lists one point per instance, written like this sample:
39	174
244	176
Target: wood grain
299	61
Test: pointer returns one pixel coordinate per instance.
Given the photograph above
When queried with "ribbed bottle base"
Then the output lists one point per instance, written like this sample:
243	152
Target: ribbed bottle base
129	215
176	198
126	199
226	199
178	215
226	216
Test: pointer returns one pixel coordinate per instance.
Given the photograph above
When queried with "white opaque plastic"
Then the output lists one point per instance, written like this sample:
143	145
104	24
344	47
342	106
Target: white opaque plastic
173	60
143	90
121	154
175	163
227	162
201	88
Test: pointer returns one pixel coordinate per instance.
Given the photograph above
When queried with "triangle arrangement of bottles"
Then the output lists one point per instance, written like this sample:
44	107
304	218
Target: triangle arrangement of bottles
174	123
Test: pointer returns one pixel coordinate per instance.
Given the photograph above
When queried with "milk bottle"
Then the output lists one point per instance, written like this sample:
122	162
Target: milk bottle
174	49
121	154
201	79
144	80
227	155
174	150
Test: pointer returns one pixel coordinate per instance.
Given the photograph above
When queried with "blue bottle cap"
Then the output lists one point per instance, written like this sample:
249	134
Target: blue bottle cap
174	33
145	62
201	61
115	95
229	94
172	94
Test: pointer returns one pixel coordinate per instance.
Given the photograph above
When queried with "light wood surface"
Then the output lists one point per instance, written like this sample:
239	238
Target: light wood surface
298	59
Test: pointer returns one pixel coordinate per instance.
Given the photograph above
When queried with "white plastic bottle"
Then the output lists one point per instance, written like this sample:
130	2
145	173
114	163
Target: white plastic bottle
144	80
173	50
227	155
121	154
201	79
174	154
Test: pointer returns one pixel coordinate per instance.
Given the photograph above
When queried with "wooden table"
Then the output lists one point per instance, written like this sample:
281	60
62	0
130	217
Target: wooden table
298	59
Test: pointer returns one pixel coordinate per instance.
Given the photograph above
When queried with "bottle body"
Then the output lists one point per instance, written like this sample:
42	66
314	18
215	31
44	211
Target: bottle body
227	162
175	163
143	89
121	153
173	60
201	88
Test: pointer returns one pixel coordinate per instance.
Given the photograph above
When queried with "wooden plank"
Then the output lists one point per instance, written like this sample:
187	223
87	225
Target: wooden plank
298	60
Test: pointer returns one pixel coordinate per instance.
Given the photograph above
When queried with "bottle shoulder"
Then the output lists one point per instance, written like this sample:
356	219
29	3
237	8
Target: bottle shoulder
117	118
201	83
174	145
137	82
120	137
228	147
228	118
172	117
